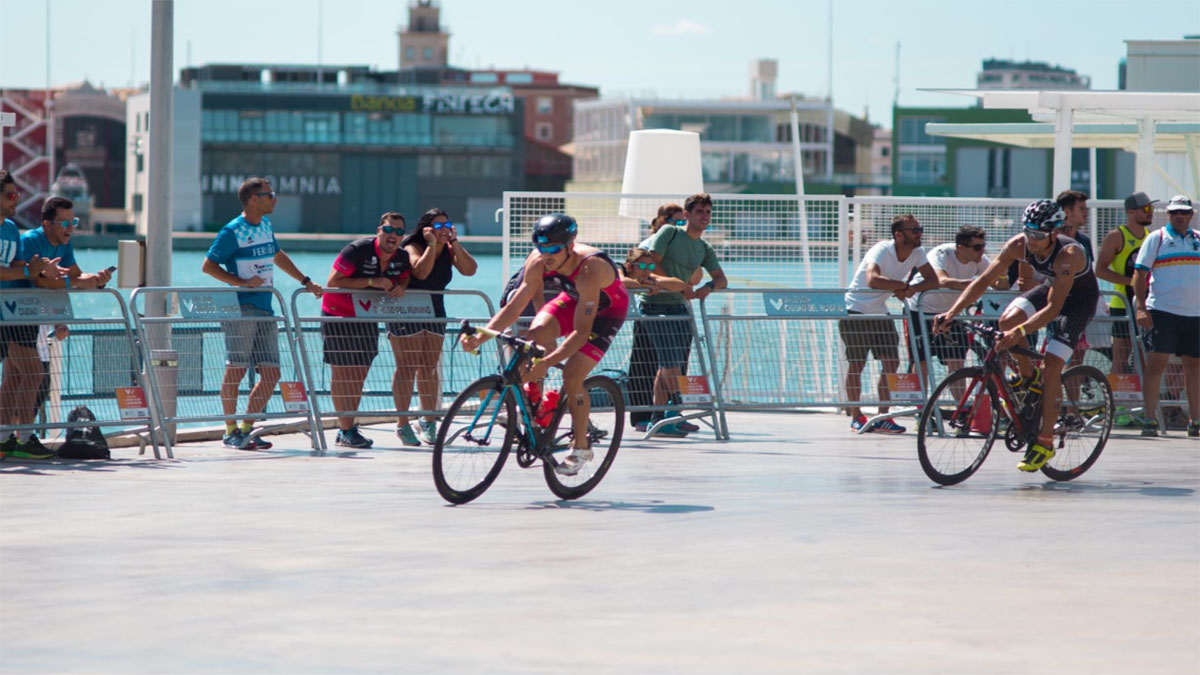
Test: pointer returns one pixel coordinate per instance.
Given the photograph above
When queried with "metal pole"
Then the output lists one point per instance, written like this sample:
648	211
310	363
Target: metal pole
800	202
161	170
1091	195
1063	121
49	105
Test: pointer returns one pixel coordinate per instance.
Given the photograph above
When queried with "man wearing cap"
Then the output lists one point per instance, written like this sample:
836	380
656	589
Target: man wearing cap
1166	283
1114	264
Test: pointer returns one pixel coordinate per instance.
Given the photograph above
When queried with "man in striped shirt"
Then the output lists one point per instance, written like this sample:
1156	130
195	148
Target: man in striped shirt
1166	281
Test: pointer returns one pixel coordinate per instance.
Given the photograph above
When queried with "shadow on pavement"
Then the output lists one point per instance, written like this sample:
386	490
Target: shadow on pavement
648	506
46	467
1146	489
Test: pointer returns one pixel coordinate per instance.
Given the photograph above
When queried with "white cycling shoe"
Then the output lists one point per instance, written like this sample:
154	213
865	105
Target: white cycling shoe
572	463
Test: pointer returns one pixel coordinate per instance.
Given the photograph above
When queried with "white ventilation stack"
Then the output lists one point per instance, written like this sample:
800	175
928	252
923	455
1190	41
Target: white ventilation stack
660	162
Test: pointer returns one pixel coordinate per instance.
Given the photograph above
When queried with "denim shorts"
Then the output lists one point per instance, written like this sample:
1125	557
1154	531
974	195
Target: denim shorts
254	341
671	339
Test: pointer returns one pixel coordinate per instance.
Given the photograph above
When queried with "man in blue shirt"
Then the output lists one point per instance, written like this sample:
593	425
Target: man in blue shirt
247	248
18	344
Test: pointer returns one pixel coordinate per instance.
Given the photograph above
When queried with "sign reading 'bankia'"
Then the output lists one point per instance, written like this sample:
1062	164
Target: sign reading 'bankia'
469	104
217	183
818	302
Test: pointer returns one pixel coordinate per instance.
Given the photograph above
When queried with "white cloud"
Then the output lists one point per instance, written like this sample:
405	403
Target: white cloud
681	27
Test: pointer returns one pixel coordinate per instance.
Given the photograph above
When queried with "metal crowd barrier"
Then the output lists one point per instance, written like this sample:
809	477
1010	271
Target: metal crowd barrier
186	349
411	314
98	365
634	360
786	349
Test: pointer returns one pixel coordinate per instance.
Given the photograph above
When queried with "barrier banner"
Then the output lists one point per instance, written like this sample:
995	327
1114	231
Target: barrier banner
131	401
905	387
295	399
694	389
1126	387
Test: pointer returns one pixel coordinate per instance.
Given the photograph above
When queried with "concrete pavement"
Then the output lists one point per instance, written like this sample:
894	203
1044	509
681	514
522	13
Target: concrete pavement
795	547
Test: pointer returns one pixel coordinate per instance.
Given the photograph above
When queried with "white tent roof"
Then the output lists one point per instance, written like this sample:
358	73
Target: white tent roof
1168	136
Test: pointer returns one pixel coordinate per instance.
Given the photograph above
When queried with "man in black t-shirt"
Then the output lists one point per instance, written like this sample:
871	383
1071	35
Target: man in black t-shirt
370	263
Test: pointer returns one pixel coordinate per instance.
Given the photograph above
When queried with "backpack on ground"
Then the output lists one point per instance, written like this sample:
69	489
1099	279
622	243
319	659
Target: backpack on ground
84	442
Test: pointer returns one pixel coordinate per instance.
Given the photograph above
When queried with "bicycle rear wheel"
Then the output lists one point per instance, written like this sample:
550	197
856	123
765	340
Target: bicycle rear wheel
953	438
1084	422
606	424
473	441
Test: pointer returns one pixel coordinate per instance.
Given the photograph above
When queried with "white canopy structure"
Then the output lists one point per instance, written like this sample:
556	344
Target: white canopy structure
1139	122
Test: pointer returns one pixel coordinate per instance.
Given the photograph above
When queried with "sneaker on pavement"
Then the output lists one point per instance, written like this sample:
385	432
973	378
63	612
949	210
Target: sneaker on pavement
858	423
1175	418
235	439
887	426
687	426
1036	457
351	438
1193	430
1150	428
9	444
32	448
672	430
427	431
406	435
258	443
642	426
572	463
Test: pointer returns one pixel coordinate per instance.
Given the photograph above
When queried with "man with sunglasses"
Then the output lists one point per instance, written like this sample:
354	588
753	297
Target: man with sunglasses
1064	299
18	344
371	263
588	314
887	267
957	264
1114	264
246	246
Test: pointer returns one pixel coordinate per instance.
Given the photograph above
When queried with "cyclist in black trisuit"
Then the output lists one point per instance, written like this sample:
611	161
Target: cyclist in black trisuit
1064	299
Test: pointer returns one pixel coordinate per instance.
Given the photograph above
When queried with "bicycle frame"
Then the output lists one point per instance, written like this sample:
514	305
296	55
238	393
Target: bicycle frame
992	370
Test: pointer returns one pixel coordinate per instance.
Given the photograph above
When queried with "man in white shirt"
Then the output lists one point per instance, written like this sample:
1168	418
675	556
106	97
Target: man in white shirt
884	272
956	263
1166	282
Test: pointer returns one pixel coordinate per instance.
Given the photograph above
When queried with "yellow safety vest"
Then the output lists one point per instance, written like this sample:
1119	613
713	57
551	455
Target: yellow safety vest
1122	262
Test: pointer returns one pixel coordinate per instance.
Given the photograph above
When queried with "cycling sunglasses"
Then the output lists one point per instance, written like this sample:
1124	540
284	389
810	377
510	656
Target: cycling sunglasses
388	229
1036	234
550	249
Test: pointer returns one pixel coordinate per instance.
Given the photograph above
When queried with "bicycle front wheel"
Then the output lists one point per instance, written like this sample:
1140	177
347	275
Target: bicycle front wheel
958	426
1084	422
606	424
474	439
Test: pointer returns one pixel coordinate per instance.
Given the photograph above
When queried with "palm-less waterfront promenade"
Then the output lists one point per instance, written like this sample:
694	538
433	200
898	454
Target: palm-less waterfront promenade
796	547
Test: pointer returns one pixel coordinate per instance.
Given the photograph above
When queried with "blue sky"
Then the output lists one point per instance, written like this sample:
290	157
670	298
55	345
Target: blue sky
701	48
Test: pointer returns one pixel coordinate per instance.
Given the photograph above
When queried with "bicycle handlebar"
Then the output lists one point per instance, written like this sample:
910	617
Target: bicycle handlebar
525	346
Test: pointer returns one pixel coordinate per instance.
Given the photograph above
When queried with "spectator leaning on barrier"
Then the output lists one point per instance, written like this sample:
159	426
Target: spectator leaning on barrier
435	252
18	351
247	248
679	252
887	266
956	263
1166	281
1114	264
370	263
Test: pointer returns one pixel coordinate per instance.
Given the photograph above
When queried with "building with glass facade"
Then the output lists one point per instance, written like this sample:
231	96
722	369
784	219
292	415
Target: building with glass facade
744	144
341	145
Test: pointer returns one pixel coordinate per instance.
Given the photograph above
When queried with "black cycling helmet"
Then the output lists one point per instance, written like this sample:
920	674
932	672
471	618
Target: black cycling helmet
555	228
1045	215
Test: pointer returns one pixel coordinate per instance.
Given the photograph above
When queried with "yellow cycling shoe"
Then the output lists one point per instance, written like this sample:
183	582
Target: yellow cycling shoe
1036	456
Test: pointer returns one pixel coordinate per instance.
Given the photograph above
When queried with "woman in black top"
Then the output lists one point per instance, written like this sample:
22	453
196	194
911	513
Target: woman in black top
435	253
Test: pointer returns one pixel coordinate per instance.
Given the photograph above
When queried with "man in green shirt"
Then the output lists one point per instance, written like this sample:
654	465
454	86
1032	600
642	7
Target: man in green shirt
679	252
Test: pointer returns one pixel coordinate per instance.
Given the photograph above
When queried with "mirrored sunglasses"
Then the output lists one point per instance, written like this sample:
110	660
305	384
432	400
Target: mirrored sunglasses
645	266
681	222
74	222
1039	235
549	249
388	229
443	226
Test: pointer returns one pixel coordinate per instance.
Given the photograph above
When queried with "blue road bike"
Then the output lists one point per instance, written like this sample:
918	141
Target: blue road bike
492	417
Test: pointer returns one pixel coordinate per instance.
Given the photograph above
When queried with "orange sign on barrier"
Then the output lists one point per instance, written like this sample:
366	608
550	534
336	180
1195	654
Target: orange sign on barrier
904	387
295	399
131	401
694	389
1126	387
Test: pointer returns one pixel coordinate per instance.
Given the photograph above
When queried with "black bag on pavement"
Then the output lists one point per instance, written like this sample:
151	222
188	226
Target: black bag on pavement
84	442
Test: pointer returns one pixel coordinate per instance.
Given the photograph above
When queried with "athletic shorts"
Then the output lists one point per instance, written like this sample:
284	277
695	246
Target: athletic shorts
404	328
864	337
24	335
951	345
349	343
254	342
671	338
1066	330
1174	334
604	328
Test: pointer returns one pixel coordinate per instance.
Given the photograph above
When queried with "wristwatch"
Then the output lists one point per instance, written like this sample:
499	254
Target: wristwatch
370	282
306	281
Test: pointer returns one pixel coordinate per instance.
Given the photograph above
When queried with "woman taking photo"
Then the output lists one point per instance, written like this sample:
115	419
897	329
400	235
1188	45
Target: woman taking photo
435	252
